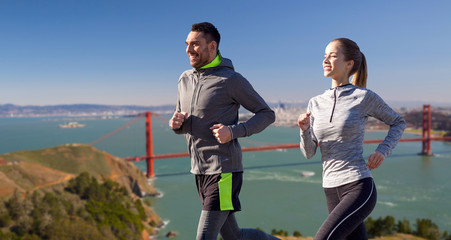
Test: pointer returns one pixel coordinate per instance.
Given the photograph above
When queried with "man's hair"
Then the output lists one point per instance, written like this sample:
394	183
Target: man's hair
210	31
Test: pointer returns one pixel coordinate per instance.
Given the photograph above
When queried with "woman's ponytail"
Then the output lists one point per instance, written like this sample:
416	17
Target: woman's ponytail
360	76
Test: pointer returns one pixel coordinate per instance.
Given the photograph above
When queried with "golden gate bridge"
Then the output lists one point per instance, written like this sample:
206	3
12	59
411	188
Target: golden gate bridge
150	156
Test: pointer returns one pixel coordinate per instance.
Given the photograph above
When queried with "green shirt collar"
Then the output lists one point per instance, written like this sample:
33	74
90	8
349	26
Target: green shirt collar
213	63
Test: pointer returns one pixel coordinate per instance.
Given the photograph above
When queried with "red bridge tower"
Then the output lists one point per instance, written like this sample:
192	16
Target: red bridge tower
426	150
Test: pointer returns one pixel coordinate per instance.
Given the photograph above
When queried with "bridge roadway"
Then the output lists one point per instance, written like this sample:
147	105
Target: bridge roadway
276	147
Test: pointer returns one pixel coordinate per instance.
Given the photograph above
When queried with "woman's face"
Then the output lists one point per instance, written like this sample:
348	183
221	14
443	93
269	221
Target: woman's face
334	65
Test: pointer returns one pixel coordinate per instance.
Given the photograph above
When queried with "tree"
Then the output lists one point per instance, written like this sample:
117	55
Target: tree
279	232
380	227
68	229
23	225
79	184
427	229
140	208
404	226
389	225
5	219
14	205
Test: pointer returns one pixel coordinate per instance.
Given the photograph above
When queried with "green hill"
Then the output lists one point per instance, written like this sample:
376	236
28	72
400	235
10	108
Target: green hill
54	193
29	170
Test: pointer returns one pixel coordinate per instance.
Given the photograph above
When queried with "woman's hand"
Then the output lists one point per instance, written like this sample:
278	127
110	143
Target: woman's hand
375	160
304	121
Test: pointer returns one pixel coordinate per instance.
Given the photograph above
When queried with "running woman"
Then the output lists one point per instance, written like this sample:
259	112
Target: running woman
335	121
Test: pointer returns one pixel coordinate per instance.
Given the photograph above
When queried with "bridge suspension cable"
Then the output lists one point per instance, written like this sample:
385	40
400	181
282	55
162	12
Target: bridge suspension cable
119	129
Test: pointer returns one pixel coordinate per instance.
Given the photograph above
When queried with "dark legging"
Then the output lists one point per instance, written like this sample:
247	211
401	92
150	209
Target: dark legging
348	206
213	222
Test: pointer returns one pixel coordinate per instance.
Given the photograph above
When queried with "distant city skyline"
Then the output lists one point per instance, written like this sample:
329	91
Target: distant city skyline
132	52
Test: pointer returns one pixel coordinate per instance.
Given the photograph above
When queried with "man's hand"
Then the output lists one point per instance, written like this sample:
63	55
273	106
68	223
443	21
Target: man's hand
304	121
222	133
177	120
375	160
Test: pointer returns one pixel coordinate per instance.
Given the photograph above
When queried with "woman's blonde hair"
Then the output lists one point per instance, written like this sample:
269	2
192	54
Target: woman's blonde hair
352	52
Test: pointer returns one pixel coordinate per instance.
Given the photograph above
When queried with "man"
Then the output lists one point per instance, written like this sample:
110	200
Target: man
209	96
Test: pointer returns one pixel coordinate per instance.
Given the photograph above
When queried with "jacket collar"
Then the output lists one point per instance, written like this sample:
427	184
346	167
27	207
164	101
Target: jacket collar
213	63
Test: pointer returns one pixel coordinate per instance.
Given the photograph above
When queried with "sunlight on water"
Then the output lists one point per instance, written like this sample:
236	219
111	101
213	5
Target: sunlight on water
294	176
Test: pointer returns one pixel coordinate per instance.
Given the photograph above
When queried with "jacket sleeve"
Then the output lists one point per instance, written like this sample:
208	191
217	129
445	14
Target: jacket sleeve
244	94
377	108
308	143
185	126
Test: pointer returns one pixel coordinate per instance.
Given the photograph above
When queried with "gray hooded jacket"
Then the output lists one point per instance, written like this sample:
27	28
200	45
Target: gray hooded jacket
211	96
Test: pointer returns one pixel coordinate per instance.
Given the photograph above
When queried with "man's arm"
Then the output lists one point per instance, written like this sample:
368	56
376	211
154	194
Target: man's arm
243	92
179	117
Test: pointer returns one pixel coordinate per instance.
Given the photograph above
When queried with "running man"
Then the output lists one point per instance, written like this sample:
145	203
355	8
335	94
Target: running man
209	96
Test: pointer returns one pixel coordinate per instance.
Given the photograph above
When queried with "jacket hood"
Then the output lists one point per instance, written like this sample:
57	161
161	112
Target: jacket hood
225	62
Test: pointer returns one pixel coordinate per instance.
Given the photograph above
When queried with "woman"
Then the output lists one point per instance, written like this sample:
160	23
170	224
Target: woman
335	121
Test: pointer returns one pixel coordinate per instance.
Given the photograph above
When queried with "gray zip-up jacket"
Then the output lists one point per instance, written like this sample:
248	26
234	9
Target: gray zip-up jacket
214	95
337	125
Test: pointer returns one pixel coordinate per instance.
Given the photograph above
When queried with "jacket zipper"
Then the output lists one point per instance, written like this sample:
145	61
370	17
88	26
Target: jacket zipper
335	102
193	100
195	92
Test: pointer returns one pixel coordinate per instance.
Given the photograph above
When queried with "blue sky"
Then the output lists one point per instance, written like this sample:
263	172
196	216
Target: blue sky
132	52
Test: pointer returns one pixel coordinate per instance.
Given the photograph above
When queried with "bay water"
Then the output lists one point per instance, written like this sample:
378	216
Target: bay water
274	195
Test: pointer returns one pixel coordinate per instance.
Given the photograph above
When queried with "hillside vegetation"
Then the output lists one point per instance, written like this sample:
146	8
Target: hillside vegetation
73	192
388	228
398	236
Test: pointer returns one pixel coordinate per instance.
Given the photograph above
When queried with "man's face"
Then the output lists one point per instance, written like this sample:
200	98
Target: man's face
200	52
